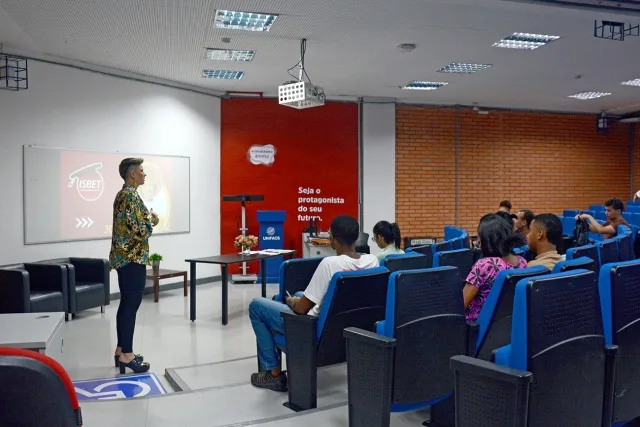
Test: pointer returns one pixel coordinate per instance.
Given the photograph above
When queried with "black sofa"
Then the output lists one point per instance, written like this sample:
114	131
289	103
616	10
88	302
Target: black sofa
34	288
88	280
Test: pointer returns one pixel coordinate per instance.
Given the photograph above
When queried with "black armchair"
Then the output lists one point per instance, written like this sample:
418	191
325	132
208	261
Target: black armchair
33	288
89	284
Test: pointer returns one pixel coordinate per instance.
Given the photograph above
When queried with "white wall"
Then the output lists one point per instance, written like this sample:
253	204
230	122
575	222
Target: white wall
379	163
71	108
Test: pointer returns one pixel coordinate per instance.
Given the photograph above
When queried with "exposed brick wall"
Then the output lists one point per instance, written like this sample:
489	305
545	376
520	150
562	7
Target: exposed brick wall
544	162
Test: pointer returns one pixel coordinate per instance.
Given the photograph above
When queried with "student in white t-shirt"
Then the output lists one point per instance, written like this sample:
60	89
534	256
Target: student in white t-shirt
265	313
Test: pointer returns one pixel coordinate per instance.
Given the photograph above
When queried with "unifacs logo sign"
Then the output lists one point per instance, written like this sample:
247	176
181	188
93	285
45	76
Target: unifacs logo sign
262	154
271	234
88	181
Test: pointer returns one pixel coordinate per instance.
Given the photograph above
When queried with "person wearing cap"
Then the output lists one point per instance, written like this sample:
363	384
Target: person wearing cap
132	226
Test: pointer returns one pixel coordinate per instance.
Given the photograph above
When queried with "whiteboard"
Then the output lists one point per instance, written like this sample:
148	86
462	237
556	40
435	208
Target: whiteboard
68	194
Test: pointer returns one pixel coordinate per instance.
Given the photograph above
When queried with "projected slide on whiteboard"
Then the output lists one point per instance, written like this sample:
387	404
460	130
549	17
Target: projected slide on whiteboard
68	194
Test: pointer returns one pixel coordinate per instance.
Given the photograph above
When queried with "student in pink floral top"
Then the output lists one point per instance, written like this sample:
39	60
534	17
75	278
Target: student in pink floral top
497	241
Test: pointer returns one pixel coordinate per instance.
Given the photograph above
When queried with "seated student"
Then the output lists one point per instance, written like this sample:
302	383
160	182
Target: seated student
265	313
544	238
613	209
522	222
505	206
497	241
387	237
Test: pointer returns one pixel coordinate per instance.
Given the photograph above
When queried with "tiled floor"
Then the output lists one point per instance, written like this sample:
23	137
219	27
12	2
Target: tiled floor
164	334
221	394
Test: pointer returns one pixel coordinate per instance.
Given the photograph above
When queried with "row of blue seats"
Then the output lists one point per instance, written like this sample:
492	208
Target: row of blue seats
618	248
359	299
561	327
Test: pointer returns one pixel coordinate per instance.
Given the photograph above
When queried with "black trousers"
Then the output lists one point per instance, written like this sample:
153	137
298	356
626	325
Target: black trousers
131	280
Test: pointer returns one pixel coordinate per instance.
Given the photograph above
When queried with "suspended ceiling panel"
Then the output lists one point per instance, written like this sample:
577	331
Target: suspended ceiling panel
352	47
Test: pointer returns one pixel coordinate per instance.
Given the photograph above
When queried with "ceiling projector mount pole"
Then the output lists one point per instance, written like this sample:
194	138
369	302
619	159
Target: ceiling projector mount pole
299	93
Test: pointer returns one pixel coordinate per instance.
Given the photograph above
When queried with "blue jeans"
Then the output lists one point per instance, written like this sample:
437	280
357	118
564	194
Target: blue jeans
266	322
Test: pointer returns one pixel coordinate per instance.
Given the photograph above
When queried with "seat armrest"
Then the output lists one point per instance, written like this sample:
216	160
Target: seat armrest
301	343
611	353
93	270
482	368
51	278
370	364
14	291
472	336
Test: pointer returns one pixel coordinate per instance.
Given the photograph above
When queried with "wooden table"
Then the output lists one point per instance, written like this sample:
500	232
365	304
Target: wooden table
224	261
165	274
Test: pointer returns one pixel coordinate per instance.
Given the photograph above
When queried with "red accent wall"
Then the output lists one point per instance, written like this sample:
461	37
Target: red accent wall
315	149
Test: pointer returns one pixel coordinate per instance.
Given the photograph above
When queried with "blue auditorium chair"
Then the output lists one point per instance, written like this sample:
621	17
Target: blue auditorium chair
494	320
424	250
625	244
596	208
568	225
445	245
601	216
582	263
295	275
628	216
404	366
451	232
570	213
462	259
557	334
589	251
457	243
608	251
353	299
408	261
633	209
589	212
635	219
619	287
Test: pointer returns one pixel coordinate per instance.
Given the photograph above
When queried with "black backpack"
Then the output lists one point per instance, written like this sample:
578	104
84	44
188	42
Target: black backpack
581	233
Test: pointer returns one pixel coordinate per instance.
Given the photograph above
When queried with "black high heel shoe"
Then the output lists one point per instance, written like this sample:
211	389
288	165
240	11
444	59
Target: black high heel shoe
116	359
136	366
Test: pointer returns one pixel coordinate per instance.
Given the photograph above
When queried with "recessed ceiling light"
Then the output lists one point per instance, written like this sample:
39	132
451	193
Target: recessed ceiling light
418	85
460	68
634	82
230	55
589	95
222	74
244	20
525	41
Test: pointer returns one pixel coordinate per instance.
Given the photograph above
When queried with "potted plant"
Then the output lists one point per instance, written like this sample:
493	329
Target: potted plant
155	262
245	243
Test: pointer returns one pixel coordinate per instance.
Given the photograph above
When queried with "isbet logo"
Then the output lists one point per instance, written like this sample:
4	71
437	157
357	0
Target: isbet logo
88	181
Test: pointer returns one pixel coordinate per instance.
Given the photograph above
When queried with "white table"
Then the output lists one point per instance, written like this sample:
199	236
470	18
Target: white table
41	332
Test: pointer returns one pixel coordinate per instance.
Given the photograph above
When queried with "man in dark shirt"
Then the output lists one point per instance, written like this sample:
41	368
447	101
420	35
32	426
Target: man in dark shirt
613	209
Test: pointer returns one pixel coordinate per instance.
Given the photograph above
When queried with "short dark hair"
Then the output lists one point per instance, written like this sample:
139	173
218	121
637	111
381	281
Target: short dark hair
615	203
552	225
126	164
506	204
496	236
528	216
345	229
509	217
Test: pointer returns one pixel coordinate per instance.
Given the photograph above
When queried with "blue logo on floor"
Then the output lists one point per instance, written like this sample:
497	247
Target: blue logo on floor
124	387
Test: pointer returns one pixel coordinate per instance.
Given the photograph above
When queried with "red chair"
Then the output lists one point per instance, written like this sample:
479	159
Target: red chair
36	391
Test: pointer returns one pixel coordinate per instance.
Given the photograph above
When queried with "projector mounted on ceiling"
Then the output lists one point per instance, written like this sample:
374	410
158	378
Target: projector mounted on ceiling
299	93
